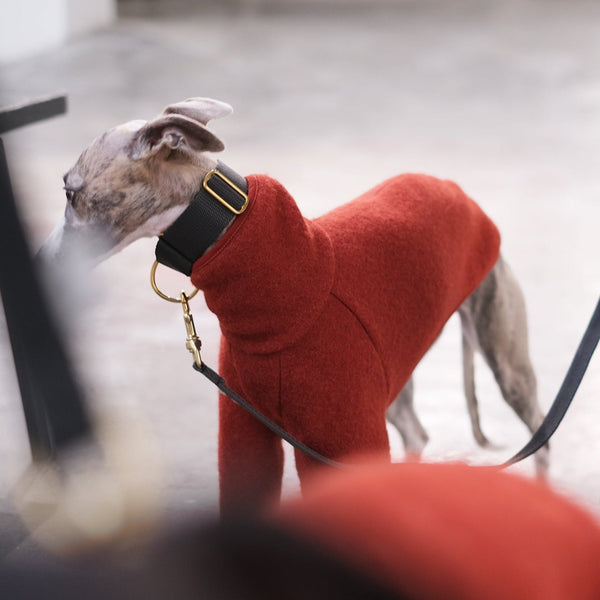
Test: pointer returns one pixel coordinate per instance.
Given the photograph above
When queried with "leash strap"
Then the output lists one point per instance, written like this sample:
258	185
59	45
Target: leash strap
566	392
193	344
282	433
541	437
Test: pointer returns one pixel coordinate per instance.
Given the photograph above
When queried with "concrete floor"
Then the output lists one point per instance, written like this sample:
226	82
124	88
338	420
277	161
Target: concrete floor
502	97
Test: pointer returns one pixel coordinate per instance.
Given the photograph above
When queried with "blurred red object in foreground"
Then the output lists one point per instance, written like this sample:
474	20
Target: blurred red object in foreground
452	531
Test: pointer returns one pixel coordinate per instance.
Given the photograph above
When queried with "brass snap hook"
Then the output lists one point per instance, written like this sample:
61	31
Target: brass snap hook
162	294
192	341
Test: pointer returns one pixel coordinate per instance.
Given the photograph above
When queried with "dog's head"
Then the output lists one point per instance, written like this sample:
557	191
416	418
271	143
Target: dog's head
135	179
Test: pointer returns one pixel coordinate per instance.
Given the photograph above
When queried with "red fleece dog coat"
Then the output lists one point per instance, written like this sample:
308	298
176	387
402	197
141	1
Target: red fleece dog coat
452	531
324	320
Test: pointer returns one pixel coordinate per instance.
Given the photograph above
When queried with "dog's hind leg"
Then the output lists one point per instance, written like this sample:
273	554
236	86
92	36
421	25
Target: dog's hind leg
469	385
519	389
401	414
496	312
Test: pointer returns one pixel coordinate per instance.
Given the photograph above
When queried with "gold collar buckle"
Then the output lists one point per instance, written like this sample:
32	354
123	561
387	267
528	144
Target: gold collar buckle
216	173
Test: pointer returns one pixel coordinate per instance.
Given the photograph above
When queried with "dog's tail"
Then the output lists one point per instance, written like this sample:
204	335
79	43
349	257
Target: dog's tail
469	387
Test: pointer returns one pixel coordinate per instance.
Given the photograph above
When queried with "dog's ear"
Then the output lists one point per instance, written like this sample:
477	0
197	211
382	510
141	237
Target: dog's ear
200	109
173	132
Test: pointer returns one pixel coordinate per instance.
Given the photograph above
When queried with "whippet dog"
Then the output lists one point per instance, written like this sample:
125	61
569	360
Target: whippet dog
138	178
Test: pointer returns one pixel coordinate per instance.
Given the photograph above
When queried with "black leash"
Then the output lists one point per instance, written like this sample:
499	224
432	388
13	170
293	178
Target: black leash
193	344
566	393
215	378
540	438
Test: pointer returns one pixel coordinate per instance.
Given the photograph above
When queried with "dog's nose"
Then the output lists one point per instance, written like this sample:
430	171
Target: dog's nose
87	244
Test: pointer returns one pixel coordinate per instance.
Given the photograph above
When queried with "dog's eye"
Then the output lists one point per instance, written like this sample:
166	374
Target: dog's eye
70	194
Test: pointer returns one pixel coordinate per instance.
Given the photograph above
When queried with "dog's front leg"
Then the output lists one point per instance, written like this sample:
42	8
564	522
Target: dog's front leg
401	414
250	460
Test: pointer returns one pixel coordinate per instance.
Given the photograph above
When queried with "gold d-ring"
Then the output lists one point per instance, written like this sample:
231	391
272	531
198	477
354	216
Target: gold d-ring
163	295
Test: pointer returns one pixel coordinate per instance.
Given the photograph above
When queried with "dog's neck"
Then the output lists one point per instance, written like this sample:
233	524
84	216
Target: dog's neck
270	276
179	185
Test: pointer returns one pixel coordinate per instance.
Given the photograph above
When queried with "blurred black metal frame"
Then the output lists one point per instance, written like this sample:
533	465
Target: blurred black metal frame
53	402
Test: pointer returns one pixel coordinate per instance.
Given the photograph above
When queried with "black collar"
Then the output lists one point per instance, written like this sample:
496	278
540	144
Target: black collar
224	196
